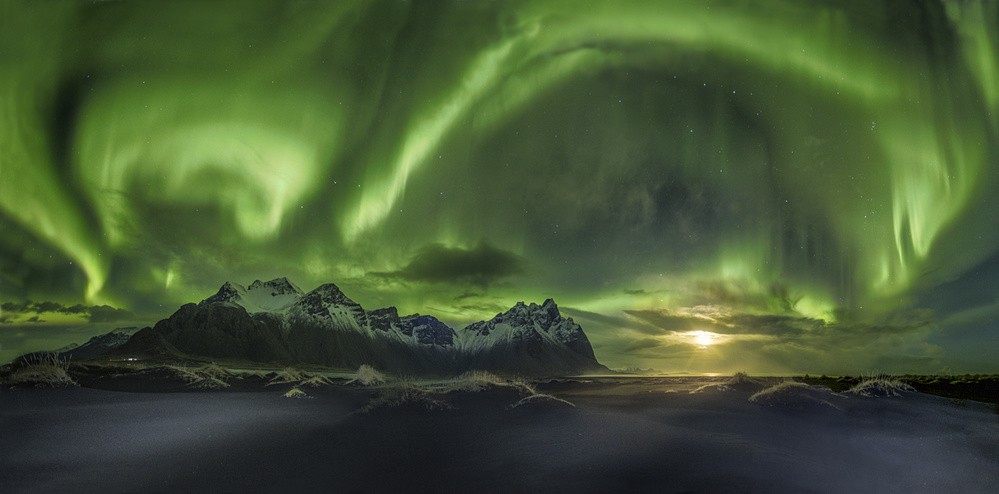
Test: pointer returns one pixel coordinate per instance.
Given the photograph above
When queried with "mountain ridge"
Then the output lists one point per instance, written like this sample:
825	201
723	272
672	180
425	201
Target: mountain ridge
277	322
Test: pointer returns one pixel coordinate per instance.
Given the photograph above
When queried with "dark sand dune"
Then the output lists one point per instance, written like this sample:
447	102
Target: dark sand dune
642	435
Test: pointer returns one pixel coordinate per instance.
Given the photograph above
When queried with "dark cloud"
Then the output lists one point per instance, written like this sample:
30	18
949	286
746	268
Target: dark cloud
481	266
787	325
95	314
653	348
13	306
772	325
76	309
664	321
643	344
899	318
777	297
610	322
485	307
106	313
468	294
47	307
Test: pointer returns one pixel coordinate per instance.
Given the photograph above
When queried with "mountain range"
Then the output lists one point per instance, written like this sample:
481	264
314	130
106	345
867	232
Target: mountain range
276	322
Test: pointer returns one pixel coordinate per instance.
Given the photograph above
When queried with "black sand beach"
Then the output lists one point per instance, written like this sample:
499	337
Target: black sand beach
622	435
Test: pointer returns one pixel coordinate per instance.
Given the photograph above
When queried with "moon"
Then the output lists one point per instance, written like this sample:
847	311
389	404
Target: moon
703	338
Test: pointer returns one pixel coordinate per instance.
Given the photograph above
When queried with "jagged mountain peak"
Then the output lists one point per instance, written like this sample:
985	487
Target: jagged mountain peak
548	304
383	319
530	321
328	302
277	286
229	292
547	310
259	296
279	294
390	311
329	293
428	330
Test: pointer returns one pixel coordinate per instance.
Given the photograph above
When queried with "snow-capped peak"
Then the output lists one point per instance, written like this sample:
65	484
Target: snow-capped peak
524	322
280	295
326	295
272	296
328	303
277	286
230	292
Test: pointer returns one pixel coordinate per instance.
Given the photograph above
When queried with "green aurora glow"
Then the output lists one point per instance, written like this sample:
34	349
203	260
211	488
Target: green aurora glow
814	181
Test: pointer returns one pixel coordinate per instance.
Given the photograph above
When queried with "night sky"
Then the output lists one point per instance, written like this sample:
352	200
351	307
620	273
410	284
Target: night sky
705	186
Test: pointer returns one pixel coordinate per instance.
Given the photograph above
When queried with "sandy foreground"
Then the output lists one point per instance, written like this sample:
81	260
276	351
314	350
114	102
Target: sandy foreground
622	435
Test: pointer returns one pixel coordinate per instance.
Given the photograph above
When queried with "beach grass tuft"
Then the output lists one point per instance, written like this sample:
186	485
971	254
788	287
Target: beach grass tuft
41	370
367	376
296	393
209	376
881	385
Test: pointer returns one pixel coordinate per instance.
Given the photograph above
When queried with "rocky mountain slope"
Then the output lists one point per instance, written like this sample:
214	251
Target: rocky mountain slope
98	344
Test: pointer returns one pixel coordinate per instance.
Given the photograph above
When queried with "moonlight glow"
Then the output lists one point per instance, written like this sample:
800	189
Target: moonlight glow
703	338
816	181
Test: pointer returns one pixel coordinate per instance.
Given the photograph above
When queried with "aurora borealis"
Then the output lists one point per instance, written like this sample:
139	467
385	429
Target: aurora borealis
812	183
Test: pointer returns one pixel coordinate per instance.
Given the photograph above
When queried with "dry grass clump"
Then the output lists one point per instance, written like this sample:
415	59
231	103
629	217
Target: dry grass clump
288	375
541	401
794	395
415	396
316	381
738	382
405	394
291	375
215	371
478	380
778	393
42	370
367	376
296	393
881	385
208	376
